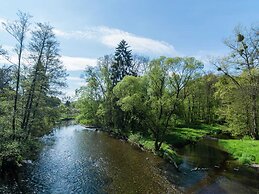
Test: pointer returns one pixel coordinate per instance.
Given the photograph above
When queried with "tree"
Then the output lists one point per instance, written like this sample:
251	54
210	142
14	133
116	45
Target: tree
5	93
233	109
132	98
152	100
18	30
243	61
122	64
96	96
5	78
29	88
201	103
46	74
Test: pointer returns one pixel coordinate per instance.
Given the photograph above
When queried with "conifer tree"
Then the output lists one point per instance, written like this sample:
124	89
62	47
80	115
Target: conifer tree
122	64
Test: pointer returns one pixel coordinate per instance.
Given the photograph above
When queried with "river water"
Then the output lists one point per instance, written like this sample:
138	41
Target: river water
76	159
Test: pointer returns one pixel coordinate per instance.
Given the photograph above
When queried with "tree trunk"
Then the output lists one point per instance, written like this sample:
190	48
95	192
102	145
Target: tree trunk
32	88
254	117
157	144
16	91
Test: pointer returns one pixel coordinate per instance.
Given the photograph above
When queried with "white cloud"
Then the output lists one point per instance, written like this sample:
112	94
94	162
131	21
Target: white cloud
206	57
112	36
77	79
70	63
60	33
69	92
77	63
87	34
74	82
11	56
8	48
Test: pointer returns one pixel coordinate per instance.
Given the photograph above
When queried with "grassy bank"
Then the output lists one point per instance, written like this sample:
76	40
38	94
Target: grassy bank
166	152
181	136
245	151
177	137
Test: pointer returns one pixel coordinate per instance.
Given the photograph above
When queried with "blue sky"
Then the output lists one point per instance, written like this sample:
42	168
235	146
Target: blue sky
90	29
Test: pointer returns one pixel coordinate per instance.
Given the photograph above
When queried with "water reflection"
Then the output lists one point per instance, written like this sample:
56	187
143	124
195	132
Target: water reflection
84	161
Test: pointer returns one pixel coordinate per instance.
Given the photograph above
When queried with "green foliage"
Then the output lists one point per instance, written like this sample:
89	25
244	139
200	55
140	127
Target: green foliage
10	150
89	109
240	97
28	103
148	104
131	92
68	110
200	105
18	150
234	109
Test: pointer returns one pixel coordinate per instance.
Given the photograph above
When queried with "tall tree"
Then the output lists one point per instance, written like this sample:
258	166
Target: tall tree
244	60
122	64
46	73
200	103
18	30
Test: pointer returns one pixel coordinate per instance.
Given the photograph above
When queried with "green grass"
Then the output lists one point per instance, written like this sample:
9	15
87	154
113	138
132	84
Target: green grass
181	136
245	151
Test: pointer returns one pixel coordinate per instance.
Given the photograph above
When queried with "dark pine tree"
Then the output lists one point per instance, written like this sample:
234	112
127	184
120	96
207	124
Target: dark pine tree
122	64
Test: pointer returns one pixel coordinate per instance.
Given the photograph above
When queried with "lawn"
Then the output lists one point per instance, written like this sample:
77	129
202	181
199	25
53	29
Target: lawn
245	151
180	136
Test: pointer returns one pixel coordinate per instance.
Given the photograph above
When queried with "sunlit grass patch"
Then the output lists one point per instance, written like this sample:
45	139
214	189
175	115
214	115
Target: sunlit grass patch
181	136
245	151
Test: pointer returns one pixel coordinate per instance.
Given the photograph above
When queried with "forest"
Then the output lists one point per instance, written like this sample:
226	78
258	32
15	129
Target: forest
157	104
173	101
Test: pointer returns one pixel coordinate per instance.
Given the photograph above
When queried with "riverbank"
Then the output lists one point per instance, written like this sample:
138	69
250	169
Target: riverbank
165	151
177	138
146	144
245	151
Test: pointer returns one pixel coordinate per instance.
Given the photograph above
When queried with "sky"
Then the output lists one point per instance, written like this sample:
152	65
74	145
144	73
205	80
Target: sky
88	29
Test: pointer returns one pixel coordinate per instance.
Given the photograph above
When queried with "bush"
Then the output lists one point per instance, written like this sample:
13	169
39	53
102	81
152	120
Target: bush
11	151
170	154
135	138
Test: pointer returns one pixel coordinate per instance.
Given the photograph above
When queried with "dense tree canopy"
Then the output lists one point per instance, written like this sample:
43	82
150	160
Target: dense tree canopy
174	91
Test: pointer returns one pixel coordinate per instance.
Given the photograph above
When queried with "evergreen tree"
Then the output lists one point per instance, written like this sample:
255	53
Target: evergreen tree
122	64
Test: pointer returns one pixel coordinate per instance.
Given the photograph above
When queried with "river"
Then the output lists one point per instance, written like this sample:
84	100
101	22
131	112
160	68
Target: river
76	159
